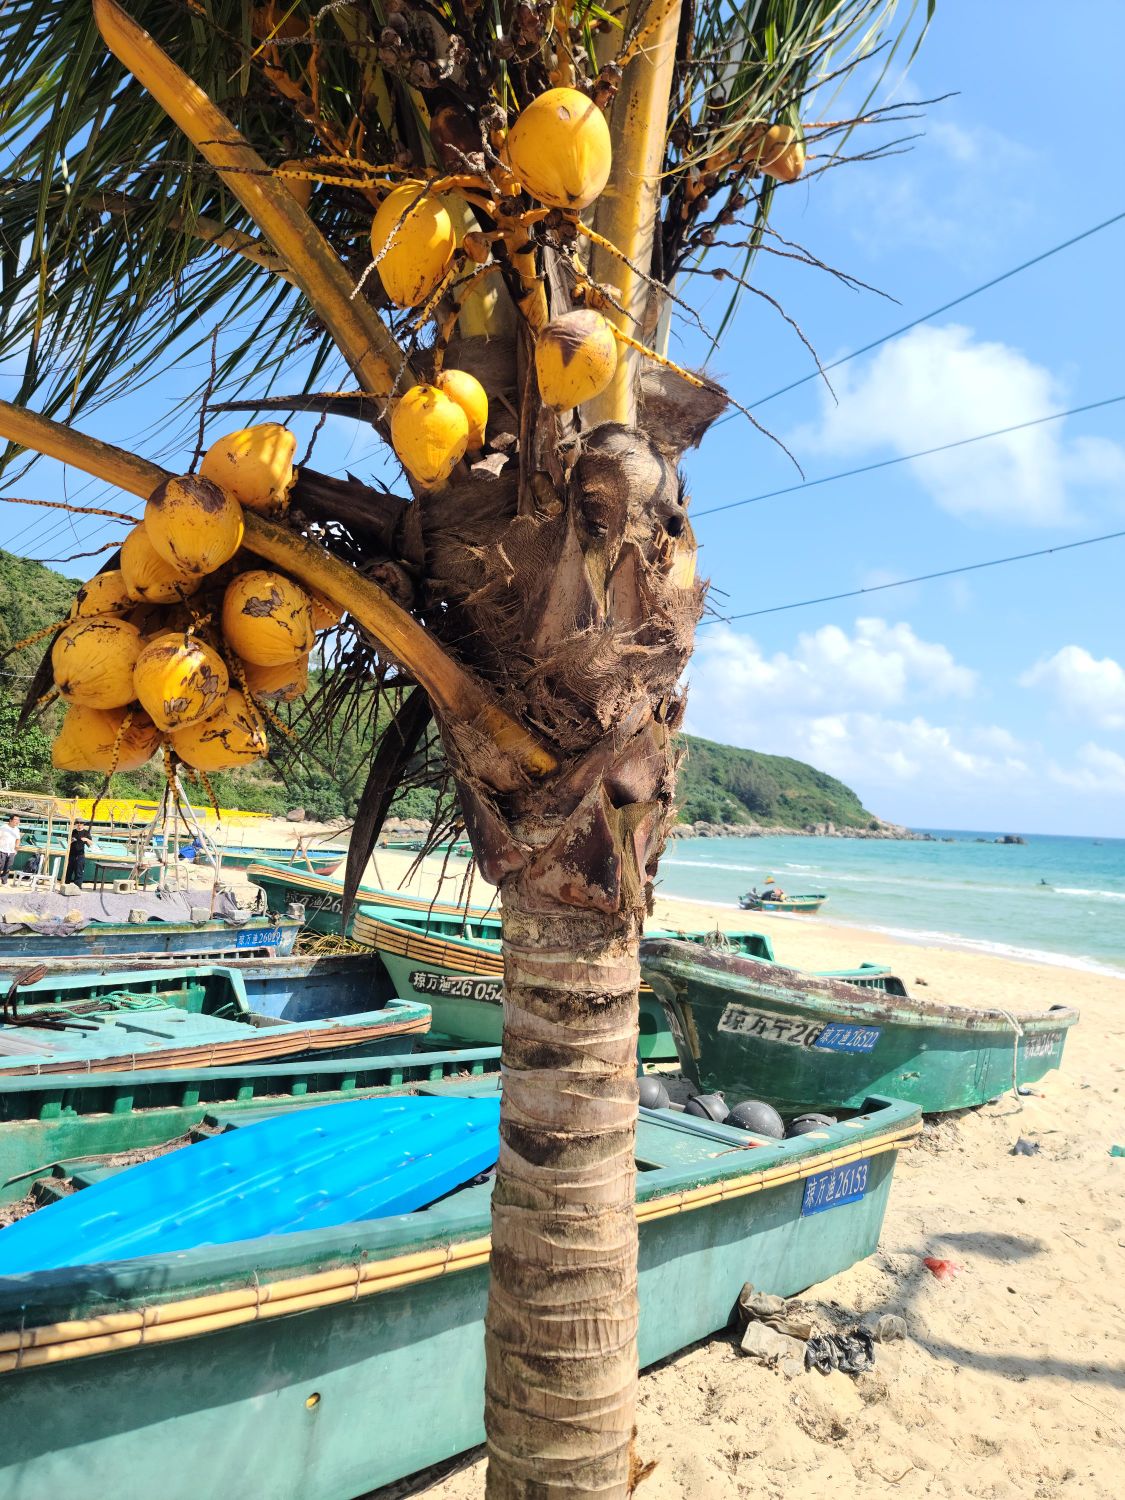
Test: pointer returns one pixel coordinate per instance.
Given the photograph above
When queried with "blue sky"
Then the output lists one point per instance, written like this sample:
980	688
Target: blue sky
992	700
996	698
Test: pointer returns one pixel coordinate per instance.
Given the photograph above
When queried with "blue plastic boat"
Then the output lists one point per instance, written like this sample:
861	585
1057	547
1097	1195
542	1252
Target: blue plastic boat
308	1169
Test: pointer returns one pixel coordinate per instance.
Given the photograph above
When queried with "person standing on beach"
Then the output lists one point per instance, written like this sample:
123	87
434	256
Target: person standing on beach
9	845
76	857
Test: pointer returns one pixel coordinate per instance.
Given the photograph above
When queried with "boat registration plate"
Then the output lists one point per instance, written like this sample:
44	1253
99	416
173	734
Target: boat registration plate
1041	1043
259	937
839	1185
457	986
838	1037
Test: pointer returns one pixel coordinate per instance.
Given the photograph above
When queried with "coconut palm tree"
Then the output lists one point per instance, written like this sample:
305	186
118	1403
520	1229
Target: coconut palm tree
177	165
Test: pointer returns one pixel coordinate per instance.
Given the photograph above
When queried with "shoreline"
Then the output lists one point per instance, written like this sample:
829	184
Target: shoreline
920	938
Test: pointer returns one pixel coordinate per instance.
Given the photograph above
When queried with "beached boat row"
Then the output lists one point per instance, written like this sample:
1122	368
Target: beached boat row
248	1188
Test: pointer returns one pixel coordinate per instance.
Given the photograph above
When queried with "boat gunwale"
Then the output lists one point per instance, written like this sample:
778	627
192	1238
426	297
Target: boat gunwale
794	989
28	1083
397	1018
72	965
136	1308
368	895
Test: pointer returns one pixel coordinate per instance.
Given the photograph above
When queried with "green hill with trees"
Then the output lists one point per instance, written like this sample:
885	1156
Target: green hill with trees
718	783
723	784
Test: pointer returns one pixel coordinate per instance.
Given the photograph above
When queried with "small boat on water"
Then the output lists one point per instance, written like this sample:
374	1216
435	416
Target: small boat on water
189	1020
172	1367
808	1042
803	905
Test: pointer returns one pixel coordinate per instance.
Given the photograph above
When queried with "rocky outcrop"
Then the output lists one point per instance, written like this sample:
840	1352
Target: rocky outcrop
877	829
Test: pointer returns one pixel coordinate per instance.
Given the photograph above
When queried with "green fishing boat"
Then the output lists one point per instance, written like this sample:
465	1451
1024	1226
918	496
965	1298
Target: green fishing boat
799	1041
320	1365
323	897
804	905
51	1127
454	963
193	1018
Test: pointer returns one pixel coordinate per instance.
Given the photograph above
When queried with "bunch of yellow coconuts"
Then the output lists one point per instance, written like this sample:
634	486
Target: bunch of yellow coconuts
558	150
140	665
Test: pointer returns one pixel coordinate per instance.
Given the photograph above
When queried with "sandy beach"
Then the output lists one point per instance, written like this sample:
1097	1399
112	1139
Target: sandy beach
1010	1382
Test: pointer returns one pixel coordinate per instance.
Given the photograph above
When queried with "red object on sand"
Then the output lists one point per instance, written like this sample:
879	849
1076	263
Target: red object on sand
943	1270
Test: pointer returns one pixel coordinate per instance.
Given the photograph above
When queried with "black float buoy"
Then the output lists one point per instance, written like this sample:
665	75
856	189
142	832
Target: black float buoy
653	1093
804	1123
755	1115
707	1107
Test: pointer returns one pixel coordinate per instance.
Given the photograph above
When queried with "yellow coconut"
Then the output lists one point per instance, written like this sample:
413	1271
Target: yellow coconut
194	524
255	465
232	737
325	614
412	255
91	739
430	434
575	357
560	149
93	661
267	619
468	393
778	152
280	684
104	594
148	578
179	680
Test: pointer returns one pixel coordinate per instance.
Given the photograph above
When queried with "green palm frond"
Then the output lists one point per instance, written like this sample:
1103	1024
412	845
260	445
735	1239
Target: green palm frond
109	218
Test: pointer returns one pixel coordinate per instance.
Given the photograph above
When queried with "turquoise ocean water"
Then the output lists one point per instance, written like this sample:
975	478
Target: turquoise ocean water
982	896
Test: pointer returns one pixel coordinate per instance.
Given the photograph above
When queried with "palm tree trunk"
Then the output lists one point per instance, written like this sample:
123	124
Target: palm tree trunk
562	1311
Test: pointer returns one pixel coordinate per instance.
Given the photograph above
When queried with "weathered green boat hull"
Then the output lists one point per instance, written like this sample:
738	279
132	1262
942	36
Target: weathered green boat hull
330	1402
72	1116
469	1008
752	1030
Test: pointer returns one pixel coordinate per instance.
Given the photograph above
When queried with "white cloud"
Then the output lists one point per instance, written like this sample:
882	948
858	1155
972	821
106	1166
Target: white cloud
886	752
1094	769
831	700
877	665
938	385
1083	684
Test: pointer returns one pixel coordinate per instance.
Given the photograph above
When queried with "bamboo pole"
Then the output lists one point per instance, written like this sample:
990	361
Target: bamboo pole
628	210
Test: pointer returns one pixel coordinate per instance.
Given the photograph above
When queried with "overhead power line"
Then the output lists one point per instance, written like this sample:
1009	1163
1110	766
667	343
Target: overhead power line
935	313
905	458
899	583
